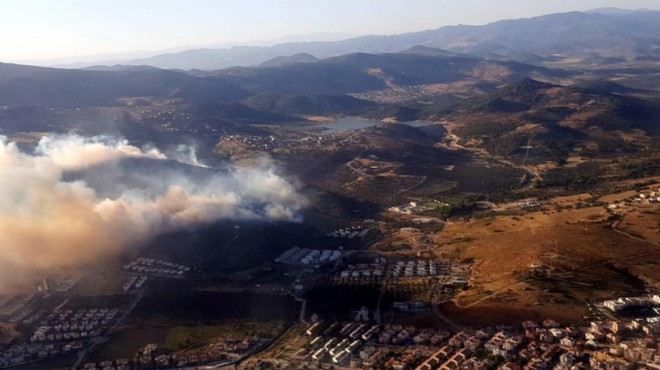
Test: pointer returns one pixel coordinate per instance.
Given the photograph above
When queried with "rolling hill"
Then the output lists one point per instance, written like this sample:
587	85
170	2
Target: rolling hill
292	59
535	121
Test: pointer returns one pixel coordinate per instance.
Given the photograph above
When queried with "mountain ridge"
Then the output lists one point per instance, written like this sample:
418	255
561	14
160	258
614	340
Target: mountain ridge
576	33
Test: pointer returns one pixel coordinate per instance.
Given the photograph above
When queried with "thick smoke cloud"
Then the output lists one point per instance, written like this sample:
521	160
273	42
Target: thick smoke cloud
76	199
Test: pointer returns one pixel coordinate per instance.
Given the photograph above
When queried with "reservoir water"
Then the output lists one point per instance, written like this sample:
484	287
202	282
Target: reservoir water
345	124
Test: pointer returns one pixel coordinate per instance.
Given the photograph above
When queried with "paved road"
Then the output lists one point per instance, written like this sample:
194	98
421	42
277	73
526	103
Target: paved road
302	310
435	304
440	315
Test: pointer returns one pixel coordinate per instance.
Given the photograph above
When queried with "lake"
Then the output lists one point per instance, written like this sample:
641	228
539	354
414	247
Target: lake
346	124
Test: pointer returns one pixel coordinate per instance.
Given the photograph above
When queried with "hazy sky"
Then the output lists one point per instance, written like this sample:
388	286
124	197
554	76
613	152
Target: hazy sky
33	29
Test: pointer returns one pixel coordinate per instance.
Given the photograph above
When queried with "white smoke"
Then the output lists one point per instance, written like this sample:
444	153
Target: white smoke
186	154
48	220
74	152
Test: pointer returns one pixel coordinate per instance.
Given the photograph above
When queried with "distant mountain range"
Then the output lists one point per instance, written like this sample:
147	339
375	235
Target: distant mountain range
603	32
282	90
52	87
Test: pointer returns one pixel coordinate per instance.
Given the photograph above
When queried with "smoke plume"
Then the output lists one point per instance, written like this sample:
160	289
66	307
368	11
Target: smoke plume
73	199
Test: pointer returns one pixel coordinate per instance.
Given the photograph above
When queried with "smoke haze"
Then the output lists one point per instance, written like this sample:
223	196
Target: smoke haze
75	199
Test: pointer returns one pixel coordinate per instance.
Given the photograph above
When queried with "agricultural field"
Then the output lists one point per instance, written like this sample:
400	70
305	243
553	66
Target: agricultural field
184	337
127	341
